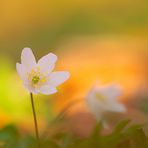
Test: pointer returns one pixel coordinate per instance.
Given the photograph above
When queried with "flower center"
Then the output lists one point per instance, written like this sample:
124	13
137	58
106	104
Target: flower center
35	79
100	97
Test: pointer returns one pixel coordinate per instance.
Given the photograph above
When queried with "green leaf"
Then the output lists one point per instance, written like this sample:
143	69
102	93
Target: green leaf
113	139
49	144
9	136
124	144
139	139
27	142
97	129
120	127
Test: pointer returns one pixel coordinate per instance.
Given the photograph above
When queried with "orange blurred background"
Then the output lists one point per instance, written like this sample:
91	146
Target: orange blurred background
97	41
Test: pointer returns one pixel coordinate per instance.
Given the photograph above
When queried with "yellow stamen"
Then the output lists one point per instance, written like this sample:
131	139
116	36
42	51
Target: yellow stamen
36	77
100	97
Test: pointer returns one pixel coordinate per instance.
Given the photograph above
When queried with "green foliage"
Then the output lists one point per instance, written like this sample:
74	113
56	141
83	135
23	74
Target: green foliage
11	138
124	135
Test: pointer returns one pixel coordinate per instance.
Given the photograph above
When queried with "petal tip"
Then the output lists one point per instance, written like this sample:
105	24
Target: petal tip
53	57
26	48
28	58
26	51
67	74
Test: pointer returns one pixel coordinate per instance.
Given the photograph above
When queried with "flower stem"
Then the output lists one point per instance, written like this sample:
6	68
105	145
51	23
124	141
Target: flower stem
35	120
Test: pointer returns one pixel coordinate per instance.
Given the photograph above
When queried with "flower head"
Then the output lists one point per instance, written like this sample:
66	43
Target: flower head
38	76
104	99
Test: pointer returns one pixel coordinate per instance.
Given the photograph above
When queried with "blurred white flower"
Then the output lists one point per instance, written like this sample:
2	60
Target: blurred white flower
104	99
38	76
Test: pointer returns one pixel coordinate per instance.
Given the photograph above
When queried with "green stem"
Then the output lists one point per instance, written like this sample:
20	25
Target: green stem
35	120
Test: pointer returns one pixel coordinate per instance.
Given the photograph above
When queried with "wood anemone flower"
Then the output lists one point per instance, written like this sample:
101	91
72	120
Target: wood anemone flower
38	77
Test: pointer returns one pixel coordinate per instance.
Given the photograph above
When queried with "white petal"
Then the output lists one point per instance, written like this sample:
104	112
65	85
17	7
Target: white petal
46	63
28	59
57	78
112	91
47	89
31	89
21	71
95	106
117	107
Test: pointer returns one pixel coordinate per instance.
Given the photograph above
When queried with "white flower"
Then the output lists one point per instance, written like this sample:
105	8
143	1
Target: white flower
104	99
38	76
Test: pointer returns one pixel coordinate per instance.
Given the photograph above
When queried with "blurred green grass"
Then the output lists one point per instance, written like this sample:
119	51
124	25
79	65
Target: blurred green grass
124	135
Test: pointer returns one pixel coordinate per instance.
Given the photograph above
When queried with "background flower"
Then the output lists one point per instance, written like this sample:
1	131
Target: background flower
104	99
